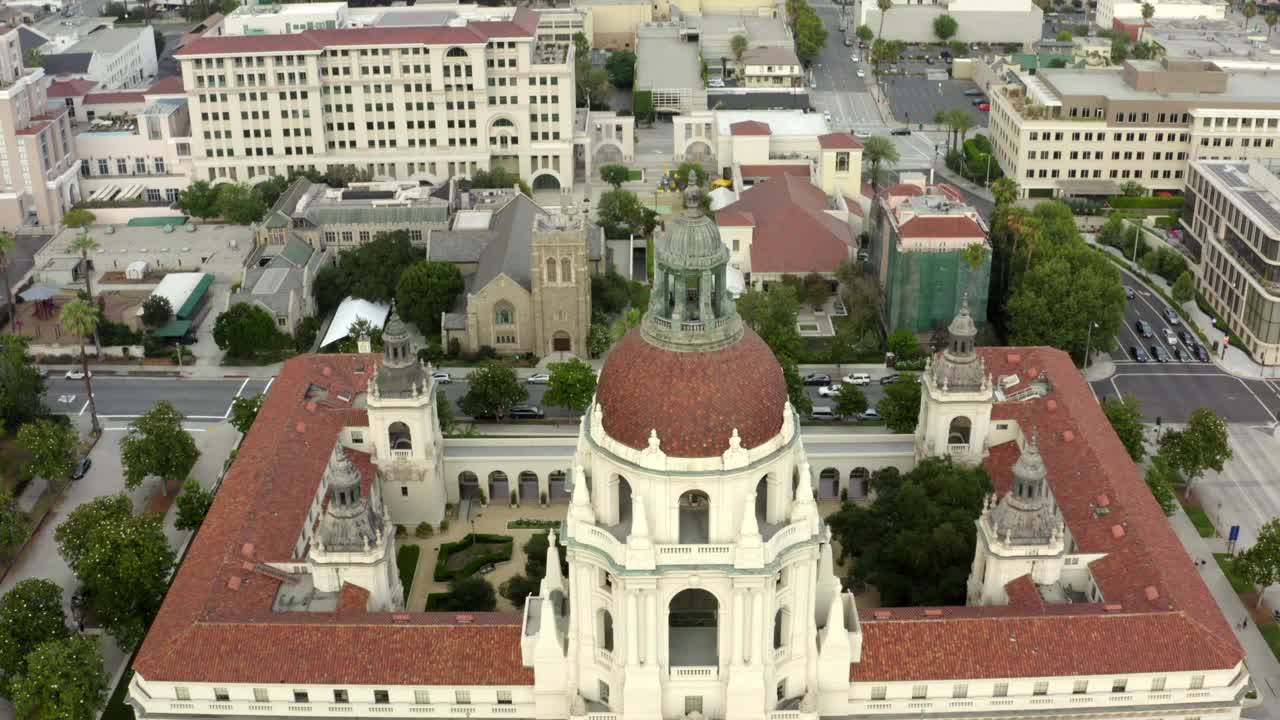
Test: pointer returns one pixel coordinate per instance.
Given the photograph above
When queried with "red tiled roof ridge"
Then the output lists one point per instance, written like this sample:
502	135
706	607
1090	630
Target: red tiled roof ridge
793	231
750	127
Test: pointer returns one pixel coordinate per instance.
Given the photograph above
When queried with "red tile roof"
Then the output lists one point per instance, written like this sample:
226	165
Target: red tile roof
774	171
689	398
793	232
216	623
522	24
73	87
839	141
734	218
113	98
903	189
942	226
750	127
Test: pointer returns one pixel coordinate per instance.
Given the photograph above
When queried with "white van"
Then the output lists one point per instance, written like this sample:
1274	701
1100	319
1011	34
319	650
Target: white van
858	379
823	413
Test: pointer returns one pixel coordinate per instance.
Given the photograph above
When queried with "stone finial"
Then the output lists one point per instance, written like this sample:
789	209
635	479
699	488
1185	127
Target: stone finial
639	522
580	501
735	440
579	708
750	528
551	580
654	443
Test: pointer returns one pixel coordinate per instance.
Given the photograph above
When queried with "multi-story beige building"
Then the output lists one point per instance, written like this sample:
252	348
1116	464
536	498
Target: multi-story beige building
424	102
38	179
772	67
1233	220
1086	132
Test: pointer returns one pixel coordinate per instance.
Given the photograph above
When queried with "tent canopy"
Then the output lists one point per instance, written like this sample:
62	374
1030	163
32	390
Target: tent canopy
172	329
351	310
36	293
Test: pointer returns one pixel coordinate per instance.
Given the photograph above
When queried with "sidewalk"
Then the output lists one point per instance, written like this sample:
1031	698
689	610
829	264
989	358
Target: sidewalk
1263	667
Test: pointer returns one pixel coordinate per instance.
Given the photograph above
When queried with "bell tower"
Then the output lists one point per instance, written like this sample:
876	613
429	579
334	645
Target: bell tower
405	430
956	397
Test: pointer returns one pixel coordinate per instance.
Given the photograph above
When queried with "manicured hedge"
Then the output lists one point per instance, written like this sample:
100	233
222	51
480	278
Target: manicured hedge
1120	201
443	574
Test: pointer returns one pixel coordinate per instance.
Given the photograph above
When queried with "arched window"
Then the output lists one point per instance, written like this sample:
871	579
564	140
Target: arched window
551	270
456	52
504	314
695	518
958	433
623	492
780	622
566	271
503	123
692	626
399	437
604	628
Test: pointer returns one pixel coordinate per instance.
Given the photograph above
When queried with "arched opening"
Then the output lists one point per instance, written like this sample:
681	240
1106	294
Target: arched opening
528	486
608	154
561	342
546	181
502	134
504	314
958	433
695	518
604	630
551	271
468	485
498	486
762	501
698	151
624	507
556	486
566	272
456	52
828	483
692	625
859	479
781	620
398	436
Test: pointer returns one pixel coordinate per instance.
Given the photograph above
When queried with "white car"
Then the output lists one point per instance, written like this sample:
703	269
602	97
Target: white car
539	378
862	134
829	390
1170	336
862	73
857	379
715	83
870	414
442	378
77	374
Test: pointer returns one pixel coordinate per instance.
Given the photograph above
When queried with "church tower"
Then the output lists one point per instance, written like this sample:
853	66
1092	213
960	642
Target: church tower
1021	534
560	283
956	397
701	580
407	440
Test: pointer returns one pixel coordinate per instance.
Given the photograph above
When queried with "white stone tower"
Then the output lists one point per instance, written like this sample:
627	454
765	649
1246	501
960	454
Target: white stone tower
956	397
405	430
1021	534
700	573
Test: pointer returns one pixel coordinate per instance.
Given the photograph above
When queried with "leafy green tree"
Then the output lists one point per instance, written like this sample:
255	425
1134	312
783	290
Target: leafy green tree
1119	49
1161	479
493	390
81	320
370	271
1133	188
157	445
156	311
621	214
1061	295
615	174
1202	445
797	393
62	679
738	46
30	614
427	289
572	385
21	386
51	449
1249	11
772	314
621	67
850	401
598	339
903	344
690	172
1260	564
865	33
878	153
810	34
193	504
1271	18
944	27
33	58
444	413
915	544
15	525
270	190
1125	415
79	218
200	199
244	410
518	588
900	406
1165	262
238	203
470	594
122	559
245	330
1064	36
304	336
499	177
1184	288
816	290
7	246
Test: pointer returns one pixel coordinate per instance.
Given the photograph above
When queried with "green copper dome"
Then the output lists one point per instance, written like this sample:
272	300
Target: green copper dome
694	240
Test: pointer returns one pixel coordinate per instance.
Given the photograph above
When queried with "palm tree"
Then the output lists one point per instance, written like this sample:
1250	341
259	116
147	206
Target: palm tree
7	244
1005	191
884	6
81	319
878	151
1250	11
962	122
738	46
1270	19
85	244
1148	11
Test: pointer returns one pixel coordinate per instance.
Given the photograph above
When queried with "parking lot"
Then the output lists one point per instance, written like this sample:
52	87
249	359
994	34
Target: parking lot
918	100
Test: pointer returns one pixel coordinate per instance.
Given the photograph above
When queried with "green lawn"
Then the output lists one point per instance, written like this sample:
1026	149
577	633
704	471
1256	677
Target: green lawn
1238	583
1271	633
635	175
407	564
1201	520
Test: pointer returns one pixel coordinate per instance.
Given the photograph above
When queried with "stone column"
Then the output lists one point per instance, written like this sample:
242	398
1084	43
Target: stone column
633	629
758	632
679	291
655	627
704	297
739	627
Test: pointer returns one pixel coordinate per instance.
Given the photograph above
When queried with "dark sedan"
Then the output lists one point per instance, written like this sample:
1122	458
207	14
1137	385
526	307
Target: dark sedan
1144	329
1137	353
1159	354
817	379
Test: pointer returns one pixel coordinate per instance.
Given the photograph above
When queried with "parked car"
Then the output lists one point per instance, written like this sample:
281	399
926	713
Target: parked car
829	390
82	469
857	379
1159	354
1171	317
1181	354
862	73
973	92
1187	338
442	377
890	379
526	412
715	83
1144	329
900	131
870	414
1128	292
540	378
862	134
979	101
984	107
1137	353
824	414
1202	353
76	374
817	379
1170	336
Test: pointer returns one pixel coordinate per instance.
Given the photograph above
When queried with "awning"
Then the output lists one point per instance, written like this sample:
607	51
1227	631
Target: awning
36	293
193	300
172	329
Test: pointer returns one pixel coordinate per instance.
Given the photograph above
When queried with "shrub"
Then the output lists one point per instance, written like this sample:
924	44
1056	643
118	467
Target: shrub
401	531
444	526
1121	201
465	595
542	498
424	530
455	347
518	588
433	353
501	554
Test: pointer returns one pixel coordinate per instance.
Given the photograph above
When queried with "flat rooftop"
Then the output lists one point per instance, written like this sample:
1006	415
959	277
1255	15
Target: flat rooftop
107	40
1253	186
1212	39
213	248
1242	87
781	122
666	61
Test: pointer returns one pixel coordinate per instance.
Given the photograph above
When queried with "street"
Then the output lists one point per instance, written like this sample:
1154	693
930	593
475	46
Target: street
120	397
